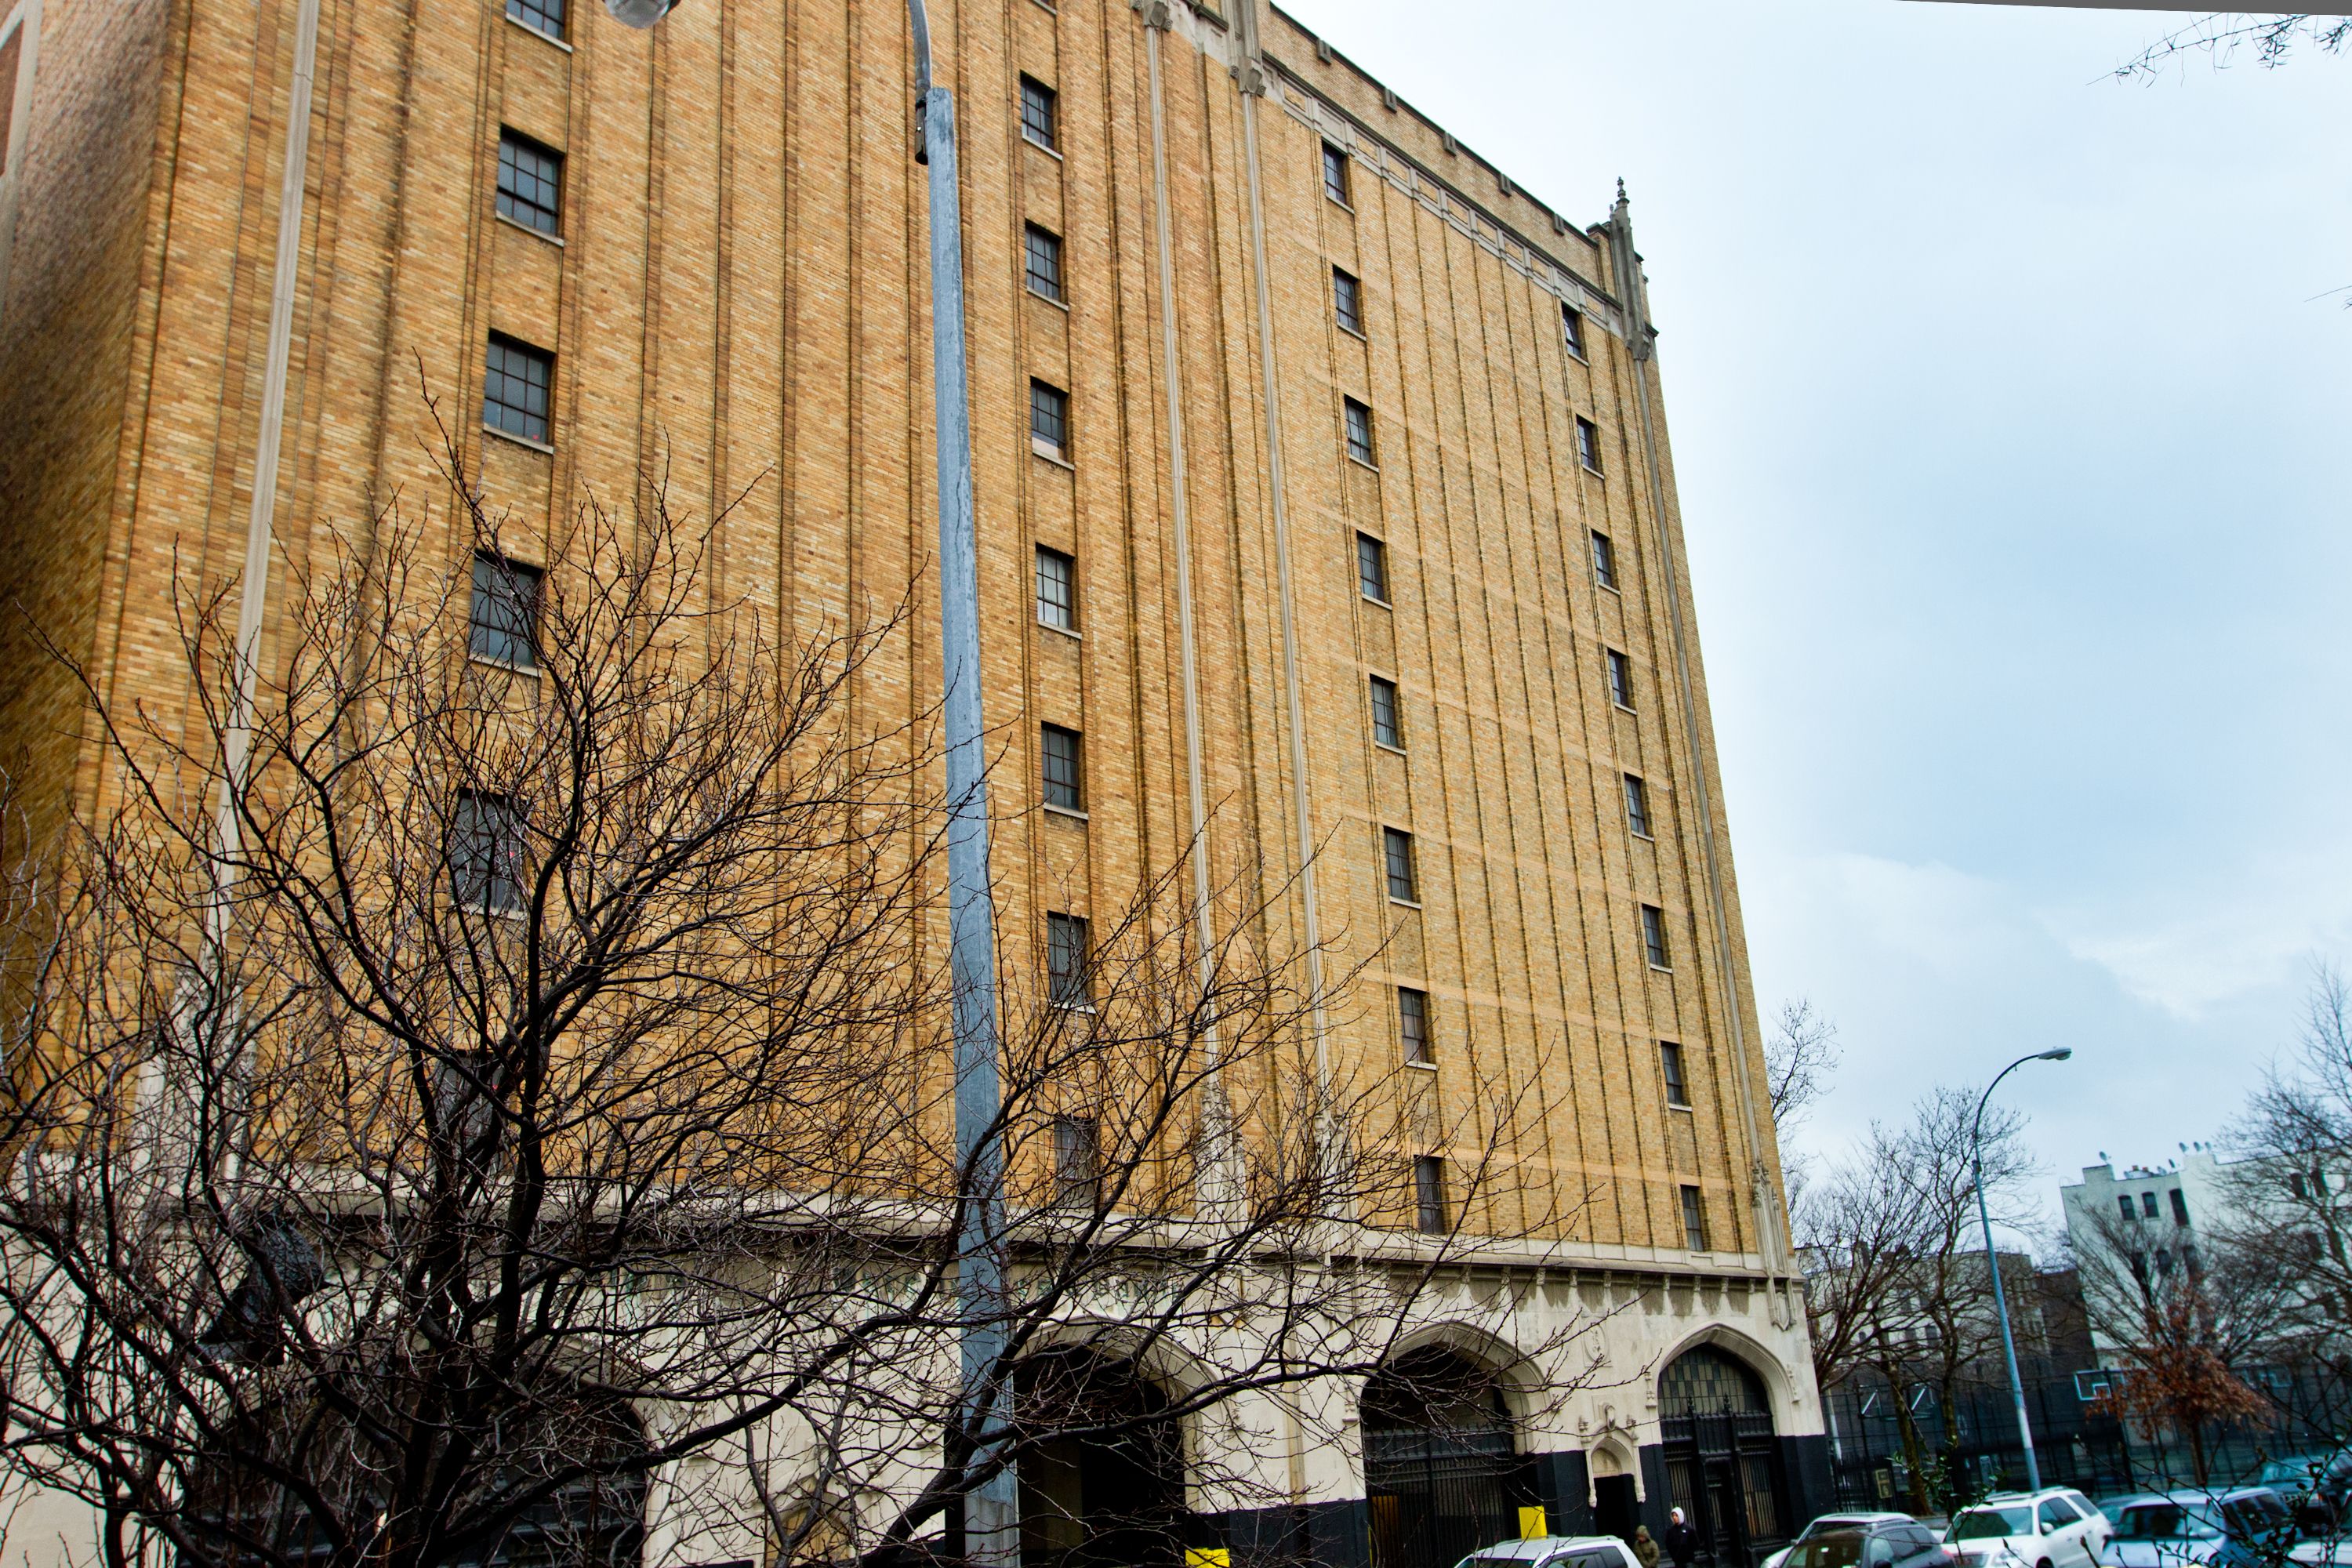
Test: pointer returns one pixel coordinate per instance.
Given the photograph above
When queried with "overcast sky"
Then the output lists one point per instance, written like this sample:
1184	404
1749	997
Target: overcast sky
2009	406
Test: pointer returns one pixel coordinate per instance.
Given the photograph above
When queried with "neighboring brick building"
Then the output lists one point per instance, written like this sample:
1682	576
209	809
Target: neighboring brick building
1411	430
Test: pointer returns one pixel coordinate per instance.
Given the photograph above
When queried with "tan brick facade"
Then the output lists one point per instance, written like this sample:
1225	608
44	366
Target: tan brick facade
738	296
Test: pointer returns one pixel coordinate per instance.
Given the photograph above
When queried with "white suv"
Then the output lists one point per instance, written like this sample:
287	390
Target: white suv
2053	1528
1555	1551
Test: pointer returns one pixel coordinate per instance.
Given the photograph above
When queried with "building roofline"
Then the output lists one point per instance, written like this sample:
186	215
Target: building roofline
1299	78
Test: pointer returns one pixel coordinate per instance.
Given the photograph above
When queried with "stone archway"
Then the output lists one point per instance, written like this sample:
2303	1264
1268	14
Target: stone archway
1112	1495
1443	1474
1722	1456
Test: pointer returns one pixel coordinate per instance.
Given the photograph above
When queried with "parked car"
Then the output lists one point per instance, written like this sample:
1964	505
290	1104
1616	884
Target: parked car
2053	1528
2316	1488
2173	1530
1902	1545
1830	1522
1555	1551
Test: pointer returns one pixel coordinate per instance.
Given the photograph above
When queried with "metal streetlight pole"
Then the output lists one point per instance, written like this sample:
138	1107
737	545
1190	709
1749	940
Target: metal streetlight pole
990	1510
1992	1260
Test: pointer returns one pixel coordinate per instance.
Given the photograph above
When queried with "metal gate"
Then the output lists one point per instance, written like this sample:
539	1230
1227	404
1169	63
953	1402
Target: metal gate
1723	1472
1436	1495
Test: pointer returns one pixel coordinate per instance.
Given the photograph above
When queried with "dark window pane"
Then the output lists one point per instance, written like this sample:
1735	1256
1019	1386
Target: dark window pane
1049	418
1360	431
1372	567
1065	960
1057	589
1637	805
505	626
1604	561
1571	324
1412	1023
2179	1208
485	852
531	183
515	381
1654	935
1078	1160
1348	300
1670	1059
1038	122
1693	1219
1621	680
1044	264
1065	774
1588	445
540	16
1429	1194
1388	725
1397	847
2129	1213
1335	174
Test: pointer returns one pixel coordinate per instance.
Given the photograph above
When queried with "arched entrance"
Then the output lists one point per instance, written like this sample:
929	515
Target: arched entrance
1111	1494
1443	1475
1722	1459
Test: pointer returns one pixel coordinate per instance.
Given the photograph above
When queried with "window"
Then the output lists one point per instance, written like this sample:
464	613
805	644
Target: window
1044	264
1621	680
1335	174
1037	116
1360	431
1049	419
531	183
1572	326
540	16
1397	848
1654	935
1057	589
1065	962
486	848
1348	300
1388	724
1604	561
1588	445
2057	1515
1065	774
1372	568
1077	1161
2129	1212
2148	1205
1670	1060
515	381
1693	1219
2179	1208
1429	1194
1637	805
505	628
1413	1024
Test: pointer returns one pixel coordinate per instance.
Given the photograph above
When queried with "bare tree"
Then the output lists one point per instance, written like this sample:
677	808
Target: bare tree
2225	35
2181	1320
1898	1290
1799	1053
506	1056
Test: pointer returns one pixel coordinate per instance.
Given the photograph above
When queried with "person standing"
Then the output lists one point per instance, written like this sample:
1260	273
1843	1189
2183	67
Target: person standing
1682	1540
1646	1546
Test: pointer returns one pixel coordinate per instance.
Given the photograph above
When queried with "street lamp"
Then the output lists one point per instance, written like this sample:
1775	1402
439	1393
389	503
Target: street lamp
990	1510
1992	1262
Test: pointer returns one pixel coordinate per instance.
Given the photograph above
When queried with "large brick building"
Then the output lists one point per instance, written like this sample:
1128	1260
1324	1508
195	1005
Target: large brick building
1323	488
